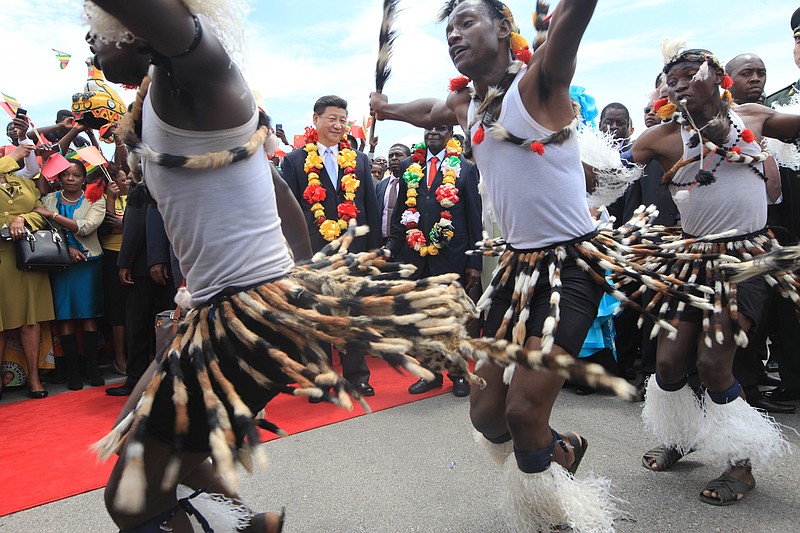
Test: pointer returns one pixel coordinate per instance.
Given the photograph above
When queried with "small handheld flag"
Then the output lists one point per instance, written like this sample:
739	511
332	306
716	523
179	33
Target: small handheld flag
62	57
10	104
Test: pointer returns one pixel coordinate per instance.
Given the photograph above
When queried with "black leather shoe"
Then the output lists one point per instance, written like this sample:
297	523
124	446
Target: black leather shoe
769	381
38	394
460	387
782	394
768	406
582	390
123	390
364	388
422	386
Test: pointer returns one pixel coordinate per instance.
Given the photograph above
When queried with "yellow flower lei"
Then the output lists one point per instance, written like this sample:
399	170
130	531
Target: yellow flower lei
315	193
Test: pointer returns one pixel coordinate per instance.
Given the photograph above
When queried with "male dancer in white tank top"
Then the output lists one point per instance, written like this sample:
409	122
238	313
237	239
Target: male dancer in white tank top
256	319
538	194
714	197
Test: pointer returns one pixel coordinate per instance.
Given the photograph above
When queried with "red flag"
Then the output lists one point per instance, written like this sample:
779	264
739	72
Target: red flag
357	132
8	109
299	141
56	164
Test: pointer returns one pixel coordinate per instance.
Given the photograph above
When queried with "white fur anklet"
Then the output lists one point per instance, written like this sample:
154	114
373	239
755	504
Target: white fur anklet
496	452
553	498
674	418
735	431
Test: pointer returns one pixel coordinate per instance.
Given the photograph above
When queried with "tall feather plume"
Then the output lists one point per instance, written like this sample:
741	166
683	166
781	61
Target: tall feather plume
385	51
541	23
670	48
386	44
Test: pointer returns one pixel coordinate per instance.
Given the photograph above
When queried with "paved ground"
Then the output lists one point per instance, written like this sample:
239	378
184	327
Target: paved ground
415	468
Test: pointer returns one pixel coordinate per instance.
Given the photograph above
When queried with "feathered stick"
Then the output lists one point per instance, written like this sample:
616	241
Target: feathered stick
385	50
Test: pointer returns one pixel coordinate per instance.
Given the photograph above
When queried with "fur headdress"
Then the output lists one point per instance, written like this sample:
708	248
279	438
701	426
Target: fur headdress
224	16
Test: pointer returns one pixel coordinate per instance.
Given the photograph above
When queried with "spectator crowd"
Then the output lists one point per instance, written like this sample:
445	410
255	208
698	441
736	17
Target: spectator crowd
122	273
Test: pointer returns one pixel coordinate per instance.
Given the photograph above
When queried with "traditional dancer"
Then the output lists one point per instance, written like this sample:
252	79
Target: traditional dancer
550	279
255	315
716	177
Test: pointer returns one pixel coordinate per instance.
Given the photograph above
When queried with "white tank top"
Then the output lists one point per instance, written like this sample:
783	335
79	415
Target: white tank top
737	200
223	223
537	200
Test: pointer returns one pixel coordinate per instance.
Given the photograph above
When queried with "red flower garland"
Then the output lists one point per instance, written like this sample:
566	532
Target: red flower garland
314	194
347	210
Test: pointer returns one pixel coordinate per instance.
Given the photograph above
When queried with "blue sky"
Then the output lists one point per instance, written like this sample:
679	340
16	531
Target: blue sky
335	44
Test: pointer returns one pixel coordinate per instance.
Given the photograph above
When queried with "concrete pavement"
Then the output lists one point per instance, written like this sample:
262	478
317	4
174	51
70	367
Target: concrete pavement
415	468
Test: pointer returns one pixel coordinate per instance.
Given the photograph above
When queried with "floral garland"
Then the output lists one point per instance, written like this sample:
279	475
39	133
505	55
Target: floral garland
315	193
447	195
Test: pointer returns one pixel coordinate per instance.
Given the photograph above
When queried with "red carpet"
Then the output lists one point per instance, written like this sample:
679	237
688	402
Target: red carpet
45	443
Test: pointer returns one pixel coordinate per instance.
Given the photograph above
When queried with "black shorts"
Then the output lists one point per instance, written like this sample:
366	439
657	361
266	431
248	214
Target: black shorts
580	297
751	296
161	423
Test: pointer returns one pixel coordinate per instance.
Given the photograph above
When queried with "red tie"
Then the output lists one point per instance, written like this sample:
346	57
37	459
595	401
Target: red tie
432	171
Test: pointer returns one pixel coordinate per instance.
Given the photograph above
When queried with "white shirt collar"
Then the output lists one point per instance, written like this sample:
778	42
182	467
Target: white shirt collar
321	148
439	156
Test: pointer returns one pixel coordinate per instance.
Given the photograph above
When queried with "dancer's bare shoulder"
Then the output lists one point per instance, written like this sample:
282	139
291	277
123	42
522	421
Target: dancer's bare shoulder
458	104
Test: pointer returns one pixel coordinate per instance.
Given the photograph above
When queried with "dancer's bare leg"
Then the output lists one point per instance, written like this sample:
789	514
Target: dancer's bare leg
205	477
157	500
522	408
715	366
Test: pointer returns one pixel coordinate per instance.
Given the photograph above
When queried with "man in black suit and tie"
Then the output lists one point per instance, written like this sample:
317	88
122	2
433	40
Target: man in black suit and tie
333	184
388	188
424	207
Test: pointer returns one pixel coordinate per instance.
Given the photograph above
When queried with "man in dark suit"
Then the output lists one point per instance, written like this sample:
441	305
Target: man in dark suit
787	215
465	215
145	266
328	194
388	188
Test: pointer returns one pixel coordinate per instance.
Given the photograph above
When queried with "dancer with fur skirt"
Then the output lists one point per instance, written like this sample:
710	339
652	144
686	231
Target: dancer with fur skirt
256	320
546	288
717	180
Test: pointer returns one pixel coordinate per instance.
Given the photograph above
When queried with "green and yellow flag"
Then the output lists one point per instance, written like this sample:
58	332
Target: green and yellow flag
62	57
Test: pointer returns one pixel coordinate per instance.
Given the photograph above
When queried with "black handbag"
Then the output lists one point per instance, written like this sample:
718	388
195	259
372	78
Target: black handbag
42	250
